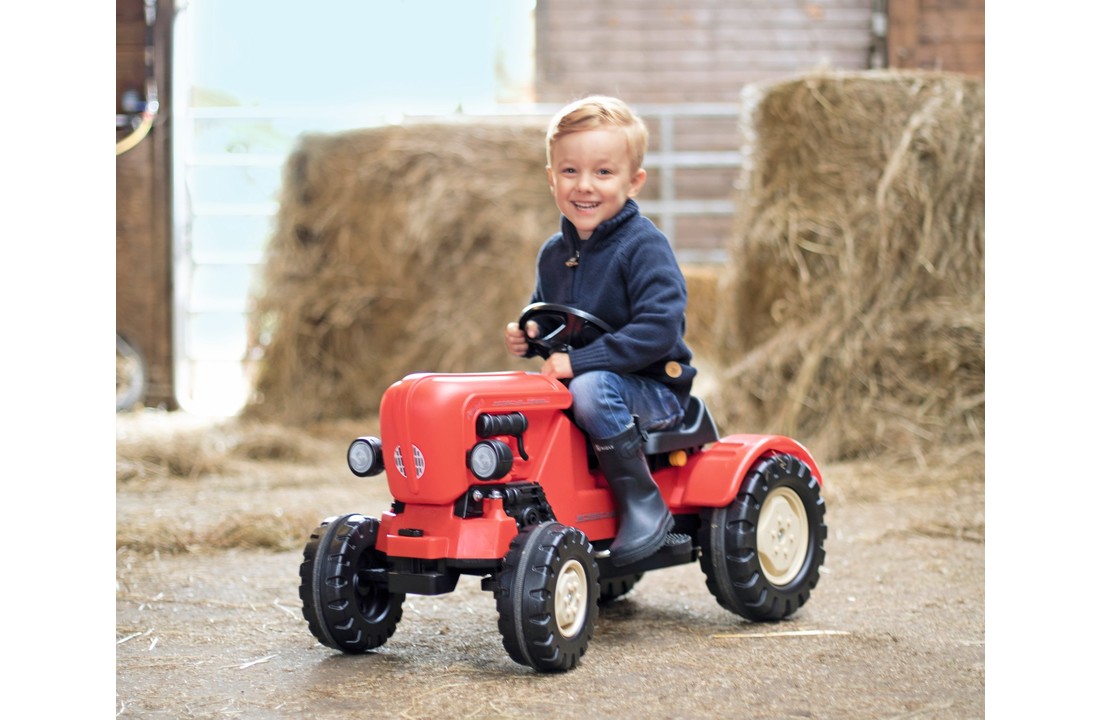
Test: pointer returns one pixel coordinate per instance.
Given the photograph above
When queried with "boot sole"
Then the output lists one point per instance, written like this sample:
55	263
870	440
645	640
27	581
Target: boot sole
621	559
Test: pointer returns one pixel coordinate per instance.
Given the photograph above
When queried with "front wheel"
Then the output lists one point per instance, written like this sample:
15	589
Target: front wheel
130	382
763	552
344	595
548	589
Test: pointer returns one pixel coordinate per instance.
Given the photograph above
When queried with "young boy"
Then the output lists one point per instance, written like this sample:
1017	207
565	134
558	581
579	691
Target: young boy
612	262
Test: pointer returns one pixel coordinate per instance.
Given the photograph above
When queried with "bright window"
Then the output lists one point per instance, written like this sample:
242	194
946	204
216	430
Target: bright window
250	77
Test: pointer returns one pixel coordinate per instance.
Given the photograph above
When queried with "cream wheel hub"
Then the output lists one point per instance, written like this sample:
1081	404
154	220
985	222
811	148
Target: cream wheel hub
782	536
571	598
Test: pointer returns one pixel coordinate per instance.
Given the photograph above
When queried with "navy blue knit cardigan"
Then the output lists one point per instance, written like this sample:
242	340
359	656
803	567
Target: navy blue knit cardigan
627	275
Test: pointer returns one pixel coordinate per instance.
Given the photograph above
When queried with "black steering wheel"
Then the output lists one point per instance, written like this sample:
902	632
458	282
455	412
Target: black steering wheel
561	328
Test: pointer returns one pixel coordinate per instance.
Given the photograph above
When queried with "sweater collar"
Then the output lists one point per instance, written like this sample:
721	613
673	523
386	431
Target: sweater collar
569	230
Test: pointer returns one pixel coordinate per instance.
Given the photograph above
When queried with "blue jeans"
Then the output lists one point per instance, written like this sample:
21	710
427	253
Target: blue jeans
605	403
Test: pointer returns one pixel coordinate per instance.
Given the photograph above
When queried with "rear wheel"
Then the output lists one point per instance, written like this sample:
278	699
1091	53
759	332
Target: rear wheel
547	596
614	588
343	590
763	552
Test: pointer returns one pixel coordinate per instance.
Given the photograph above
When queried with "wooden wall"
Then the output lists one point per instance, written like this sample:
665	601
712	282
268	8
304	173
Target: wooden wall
937	35
143	238
656	51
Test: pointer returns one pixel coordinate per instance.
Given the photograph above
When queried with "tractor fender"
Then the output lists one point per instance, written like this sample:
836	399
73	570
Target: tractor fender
715	474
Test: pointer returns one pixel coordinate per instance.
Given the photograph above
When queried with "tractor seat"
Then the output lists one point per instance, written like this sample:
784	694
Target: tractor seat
695	430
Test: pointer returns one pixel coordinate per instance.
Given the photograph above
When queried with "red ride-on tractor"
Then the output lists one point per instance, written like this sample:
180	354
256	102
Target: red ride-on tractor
490	477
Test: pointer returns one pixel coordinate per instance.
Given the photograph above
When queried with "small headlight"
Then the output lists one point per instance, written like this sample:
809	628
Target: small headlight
365	456
490	459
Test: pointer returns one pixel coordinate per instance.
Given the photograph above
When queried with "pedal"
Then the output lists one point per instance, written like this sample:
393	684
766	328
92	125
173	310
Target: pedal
674	543
674	539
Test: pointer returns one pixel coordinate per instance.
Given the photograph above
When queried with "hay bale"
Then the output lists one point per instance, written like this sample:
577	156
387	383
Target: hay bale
703	297
853	310
396	250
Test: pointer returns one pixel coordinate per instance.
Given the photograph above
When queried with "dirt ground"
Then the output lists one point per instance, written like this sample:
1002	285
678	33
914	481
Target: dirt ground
211	519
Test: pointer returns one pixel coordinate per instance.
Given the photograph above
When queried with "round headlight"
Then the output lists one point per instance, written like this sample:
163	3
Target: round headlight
365	456
490	460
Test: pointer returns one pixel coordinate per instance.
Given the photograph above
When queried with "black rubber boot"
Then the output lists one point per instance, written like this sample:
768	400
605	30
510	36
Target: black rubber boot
644	519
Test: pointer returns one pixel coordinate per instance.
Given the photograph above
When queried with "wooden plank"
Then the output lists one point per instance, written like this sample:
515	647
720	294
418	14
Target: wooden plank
946	35
902	35
130	34
127	11
129	73
952	26
966	58
129	22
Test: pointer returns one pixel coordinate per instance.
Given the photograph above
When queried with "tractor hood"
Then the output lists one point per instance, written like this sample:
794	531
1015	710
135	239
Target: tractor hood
428	424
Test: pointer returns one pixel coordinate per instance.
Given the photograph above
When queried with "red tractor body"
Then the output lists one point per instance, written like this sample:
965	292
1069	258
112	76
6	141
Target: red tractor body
429	421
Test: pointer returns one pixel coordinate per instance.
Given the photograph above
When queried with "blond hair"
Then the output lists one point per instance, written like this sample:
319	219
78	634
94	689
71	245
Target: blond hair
600	111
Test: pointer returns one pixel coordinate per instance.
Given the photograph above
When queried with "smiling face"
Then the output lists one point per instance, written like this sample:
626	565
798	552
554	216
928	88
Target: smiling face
592	175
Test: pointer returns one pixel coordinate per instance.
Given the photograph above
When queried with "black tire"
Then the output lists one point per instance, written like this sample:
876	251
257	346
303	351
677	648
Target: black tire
548	589
766	578
343	591
130	379
614	588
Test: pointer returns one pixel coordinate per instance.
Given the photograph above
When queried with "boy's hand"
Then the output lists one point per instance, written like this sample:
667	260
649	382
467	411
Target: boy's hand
515	339
558	366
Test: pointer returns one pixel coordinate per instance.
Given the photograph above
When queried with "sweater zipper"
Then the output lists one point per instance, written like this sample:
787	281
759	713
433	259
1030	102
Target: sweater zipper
573	264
